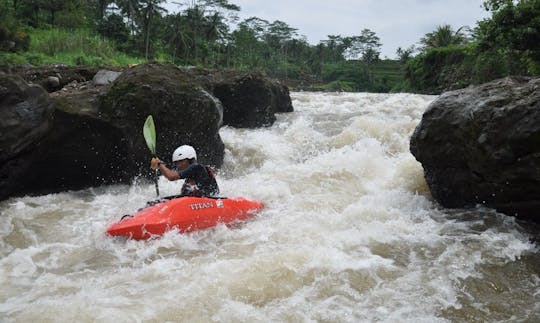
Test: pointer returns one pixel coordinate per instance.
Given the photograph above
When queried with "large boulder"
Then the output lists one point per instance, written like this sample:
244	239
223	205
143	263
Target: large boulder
481	145
25	118
80	151
53	144
251	100
183	112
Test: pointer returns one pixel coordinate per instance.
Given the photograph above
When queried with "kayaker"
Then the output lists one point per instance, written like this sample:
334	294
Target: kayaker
199	180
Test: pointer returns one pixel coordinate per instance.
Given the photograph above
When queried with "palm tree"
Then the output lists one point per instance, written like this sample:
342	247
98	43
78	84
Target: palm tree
336	47
177	31
150	8
444	36
129	8
102	7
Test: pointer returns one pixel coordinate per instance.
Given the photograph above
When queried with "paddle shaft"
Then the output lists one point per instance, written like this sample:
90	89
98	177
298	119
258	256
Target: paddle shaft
156	179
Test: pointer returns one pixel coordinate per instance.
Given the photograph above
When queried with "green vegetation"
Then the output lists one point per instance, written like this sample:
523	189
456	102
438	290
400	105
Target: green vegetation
122	32
508	43
359	76
78	47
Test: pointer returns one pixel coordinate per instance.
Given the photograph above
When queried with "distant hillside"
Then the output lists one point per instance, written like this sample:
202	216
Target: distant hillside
356	76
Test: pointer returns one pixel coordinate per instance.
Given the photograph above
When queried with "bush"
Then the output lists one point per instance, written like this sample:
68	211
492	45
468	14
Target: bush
10	59
35	58
13	40
439	69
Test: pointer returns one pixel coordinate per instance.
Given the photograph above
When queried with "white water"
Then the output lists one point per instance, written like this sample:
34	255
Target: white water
349	234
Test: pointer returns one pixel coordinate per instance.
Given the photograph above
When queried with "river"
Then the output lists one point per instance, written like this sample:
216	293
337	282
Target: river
350	233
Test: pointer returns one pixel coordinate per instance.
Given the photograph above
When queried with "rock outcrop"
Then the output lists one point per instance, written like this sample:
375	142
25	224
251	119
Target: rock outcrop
481	145
87	135
184	113
251	100
26	114
54	78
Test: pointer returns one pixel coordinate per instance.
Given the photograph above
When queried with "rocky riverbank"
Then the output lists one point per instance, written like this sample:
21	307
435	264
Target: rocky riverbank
72	127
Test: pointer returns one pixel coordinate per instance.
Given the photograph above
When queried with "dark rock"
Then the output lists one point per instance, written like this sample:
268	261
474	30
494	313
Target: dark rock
86	135
54	150
81	151
25	118
7	45
51	83
282	98
251	100
26	115
481	145
184	113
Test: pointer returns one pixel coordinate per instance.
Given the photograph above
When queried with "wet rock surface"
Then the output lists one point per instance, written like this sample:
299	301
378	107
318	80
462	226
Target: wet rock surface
481	145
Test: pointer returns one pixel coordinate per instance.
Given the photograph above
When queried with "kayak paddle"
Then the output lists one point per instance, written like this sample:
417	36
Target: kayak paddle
149	133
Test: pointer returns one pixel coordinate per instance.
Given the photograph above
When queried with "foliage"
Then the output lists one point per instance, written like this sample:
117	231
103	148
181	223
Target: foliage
381	76
438	69
13	37
200	33
82	47
508	43
100	31
339	86
443	36
114	28
10	59
513	28
367	46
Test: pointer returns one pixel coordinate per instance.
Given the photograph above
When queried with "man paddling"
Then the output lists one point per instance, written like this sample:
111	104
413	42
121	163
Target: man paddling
199	180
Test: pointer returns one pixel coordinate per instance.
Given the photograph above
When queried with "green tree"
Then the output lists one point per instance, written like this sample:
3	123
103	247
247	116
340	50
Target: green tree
277	38
335	47
443	36
365	46
149	10
257	26
406	54
113	27
201	30
246	43
129	8
100	7
177	37
514	29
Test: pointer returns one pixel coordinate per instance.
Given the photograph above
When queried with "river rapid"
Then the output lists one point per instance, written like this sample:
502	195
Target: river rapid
350	233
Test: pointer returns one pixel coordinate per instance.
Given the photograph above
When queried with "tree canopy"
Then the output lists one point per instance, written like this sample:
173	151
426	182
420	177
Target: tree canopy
209	33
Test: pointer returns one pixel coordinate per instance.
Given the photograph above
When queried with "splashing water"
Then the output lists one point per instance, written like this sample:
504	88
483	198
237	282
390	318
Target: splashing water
349	234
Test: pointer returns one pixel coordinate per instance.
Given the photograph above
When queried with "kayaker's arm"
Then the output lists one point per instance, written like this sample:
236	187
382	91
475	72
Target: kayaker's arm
170	174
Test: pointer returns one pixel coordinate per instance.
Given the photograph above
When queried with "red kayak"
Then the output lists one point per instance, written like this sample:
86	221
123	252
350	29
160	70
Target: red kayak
185	214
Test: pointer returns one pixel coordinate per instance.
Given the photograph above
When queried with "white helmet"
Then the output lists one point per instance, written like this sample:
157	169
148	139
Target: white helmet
184	152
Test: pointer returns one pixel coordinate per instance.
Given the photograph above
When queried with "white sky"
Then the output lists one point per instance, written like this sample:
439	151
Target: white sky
398	23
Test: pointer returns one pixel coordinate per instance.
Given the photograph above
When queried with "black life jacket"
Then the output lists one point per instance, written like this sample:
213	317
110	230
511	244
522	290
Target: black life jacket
206	186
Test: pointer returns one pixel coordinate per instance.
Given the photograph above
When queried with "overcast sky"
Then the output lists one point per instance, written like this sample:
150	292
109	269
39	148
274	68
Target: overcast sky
398	23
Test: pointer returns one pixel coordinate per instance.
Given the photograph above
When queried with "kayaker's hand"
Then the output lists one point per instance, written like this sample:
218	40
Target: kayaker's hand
154	163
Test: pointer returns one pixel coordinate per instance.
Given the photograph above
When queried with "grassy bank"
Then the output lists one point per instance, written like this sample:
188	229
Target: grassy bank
69	47
84	47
